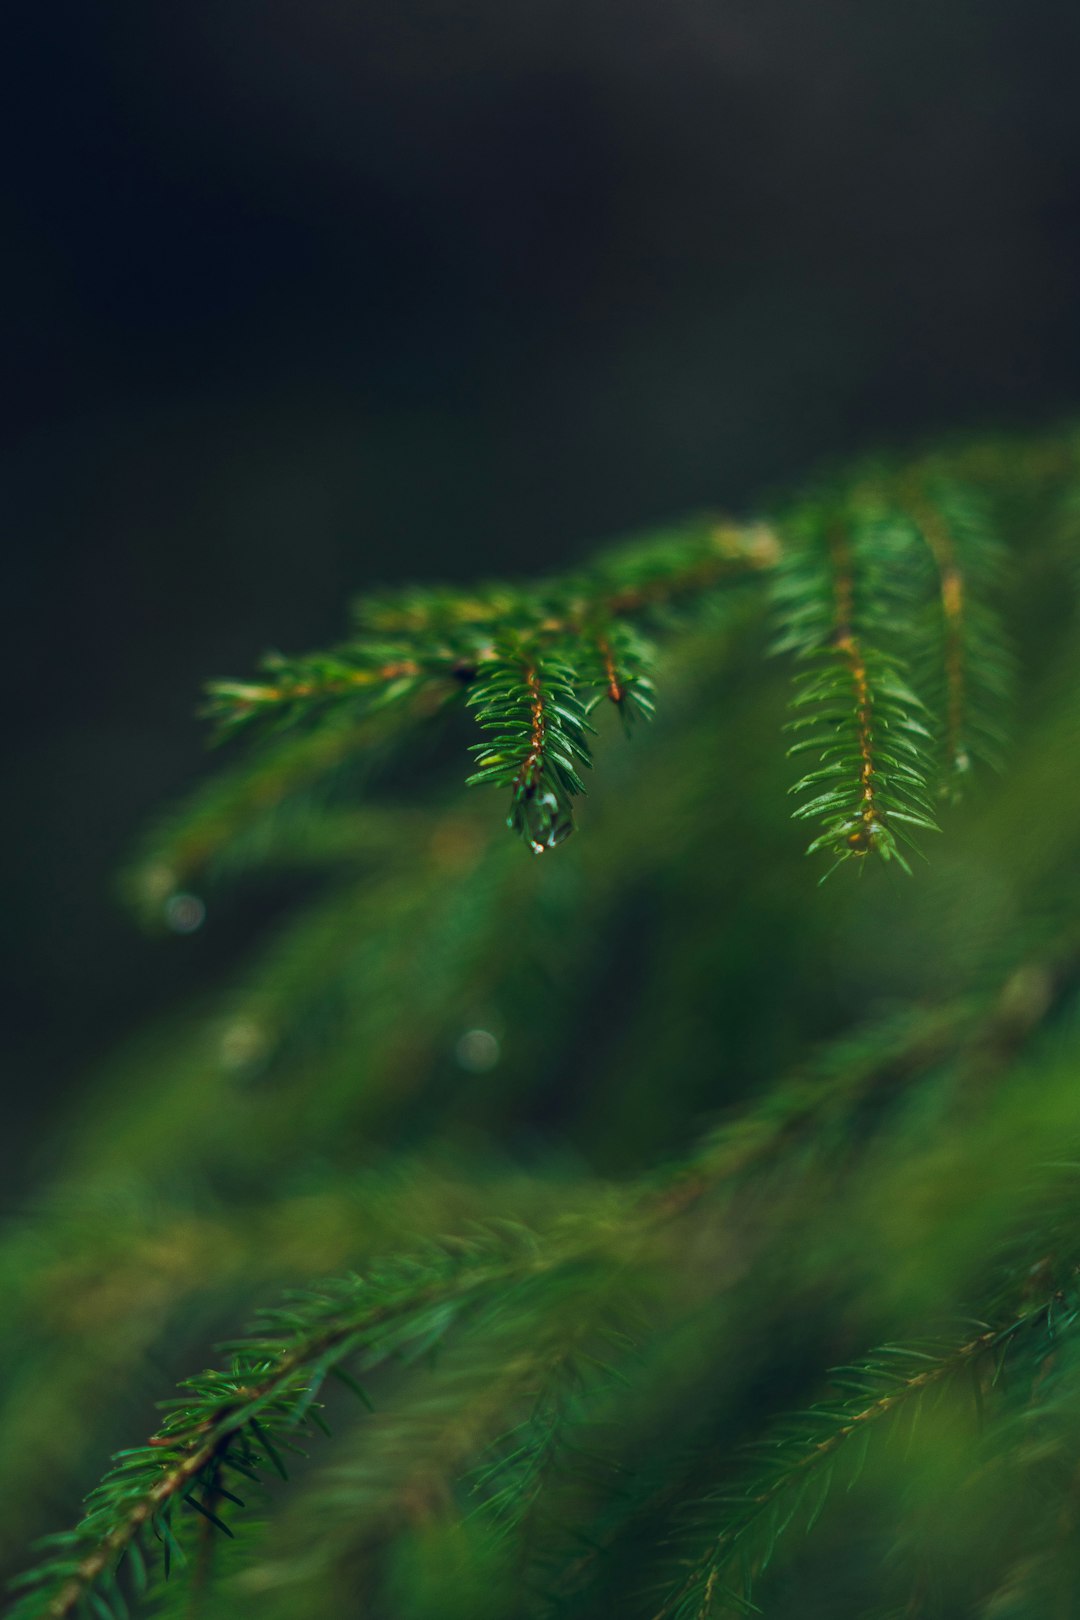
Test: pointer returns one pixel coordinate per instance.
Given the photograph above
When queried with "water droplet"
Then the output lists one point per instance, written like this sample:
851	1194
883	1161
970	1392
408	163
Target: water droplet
184	913
478	1051
542	820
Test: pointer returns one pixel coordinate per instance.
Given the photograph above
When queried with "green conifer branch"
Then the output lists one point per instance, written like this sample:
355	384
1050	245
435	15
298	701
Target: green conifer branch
237	1422
618	664
800	1455
537	727
904	656
381	674
963	659
268	1392
580	631
856	712
886	1180
486	1438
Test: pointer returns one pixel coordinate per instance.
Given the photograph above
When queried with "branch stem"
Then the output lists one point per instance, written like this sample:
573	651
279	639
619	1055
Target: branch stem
847	645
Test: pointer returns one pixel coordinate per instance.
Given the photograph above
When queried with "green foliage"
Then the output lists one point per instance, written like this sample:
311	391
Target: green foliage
821	1362
889	583
532	661
235	1425
961	652
537	739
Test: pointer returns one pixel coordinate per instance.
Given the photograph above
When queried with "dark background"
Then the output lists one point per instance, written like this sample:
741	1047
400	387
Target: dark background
300	297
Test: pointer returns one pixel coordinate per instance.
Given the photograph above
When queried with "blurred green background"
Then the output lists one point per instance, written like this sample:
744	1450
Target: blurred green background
303	298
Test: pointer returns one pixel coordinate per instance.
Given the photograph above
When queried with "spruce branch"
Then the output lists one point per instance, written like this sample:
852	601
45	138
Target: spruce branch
383	674
961	653
856	712
646	581
895	1175
800	1455
635	582
578	632
576	1366
618	663
537	727
486	1439
238	1421
848	593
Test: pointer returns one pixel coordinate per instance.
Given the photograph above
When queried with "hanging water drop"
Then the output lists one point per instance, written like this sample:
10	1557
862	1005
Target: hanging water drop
540	818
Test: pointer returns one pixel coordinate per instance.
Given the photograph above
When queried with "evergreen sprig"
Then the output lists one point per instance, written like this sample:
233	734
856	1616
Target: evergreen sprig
861	720
799	1458
555	1332
234	1424
617	663
564	1403
961	651
844	599
228	1430
891	584
532	661
537	739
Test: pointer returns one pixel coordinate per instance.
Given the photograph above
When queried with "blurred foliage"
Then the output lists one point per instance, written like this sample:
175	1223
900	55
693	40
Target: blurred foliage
676	1205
